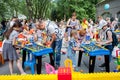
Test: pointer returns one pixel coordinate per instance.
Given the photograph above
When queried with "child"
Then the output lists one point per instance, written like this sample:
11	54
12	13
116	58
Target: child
81	35
9	47
72	48
40	35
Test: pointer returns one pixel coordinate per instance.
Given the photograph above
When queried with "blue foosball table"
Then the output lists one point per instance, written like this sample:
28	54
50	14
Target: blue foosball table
37	50
94	50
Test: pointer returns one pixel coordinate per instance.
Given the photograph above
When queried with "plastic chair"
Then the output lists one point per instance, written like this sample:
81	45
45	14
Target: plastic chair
50	69
68	63
31	63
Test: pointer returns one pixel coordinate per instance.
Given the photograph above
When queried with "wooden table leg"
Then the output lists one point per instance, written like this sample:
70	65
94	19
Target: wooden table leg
107	60
92	64
39	64
23	58
79	58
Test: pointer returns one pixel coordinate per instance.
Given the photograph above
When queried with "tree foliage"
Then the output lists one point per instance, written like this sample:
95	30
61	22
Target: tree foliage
54	9
30	8
83	8
37	8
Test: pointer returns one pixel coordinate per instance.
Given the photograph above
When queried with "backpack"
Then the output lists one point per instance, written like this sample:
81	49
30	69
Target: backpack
114	37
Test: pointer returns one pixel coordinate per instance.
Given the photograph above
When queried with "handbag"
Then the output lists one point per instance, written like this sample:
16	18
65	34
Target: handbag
114	52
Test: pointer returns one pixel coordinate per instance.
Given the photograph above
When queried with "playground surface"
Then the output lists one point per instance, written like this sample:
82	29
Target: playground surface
84	68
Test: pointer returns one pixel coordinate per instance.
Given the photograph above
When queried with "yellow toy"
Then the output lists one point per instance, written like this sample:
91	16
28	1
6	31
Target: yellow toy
118	62
68	63
75	76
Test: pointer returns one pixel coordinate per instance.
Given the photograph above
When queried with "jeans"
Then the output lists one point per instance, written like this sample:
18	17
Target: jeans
72	55
57	45
110	48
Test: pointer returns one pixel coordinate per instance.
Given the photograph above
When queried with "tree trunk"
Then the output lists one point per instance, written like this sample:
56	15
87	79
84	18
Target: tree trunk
28	4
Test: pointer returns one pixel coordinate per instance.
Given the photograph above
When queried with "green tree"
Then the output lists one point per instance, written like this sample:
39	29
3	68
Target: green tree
30	8
57	9
38	8
83	8
9	8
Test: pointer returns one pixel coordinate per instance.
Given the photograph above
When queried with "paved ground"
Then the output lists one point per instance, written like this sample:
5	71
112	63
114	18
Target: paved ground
84	65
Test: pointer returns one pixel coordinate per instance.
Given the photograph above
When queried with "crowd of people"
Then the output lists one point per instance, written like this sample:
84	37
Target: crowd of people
51	34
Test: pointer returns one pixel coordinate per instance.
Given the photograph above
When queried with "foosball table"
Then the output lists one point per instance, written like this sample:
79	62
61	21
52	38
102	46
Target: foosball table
94	50
37	51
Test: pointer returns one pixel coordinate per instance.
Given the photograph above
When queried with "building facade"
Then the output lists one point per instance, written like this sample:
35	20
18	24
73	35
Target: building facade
113	11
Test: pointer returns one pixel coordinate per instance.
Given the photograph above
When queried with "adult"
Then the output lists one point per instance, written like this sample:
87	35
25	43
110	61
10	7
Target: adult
72	24
101	21
114	22
100	25
108	22
106	38
54	38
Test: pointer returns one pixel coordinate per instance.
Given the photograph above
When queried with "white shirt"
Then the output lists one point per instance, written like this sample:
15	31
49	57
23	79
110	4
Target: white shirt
51	28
